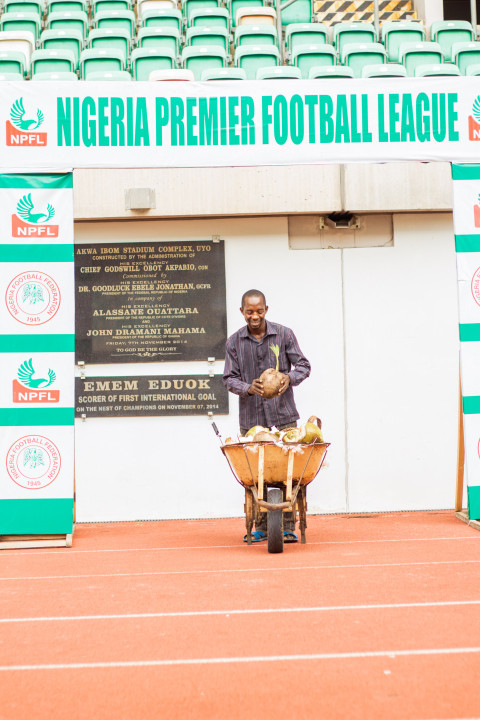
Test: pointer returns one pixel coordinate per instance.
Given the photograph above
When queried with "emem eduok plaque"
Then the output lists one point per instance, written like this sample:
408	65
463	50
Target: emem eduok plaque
137	396
150	302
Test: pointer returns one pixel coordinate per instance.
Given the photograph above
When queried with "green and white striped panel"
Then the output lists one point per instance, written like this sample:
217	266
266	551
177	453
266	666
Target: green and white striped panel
37	344
466	219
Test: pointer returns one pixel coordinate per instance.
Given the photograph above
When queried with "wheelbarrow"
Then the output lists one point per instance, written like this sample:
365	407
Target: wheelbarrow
260	466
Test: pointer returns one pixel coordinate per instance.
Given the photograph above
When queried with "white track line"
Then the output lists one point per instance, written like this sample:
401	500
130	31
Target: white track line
254	611
226	571
237	546
392	654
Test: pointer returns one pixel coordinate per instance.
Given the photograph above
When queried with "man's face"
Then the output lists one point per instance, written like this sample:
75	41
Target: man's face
254	311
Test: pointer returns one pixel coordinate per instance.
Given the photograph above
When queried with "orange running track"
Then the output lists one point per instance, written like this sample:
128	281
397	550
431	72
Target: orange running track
375	617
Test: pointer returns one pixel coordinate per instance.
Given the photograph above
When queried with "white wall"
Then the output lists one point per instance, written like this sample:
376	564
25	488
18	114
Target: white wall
399	304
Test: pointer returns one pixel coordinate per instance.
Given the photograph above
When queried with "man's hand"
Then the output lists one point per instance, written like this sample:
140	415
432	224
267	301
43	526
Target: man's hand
284	385
256	388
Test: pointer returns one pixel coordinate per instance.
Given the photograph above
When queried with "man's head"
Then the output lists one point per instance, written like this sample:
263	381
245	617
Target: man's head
254	308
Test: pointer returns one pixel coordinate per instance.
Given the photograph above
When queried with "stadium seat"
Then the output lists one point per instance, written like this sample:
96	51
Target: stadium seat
449	32
308	56
395	33
109	38
52	61
144	6
75	20
359	55
162	18
255	16
18	41
298	12
175	75
228	73
413	55
12	61
210	17
63	40
11	76
335	72
255	35
116	19
188	6
466	54
252	57
216	37
56	76
159	37
110	5
305	34
146	60
378	71
437	70
201	58
66	6
109	75
100	60
280	72
233	5
473	70
28	6
20	21
345	33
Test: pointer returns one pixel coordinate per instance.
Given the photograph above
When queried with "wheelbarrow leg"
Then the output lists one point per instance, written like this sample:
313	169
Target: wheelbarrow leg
302	512
248	514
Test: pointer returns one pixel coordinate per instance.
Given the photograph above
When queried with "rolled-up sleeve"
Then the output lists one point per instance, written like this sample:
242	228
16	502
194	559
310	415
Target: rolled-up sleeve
232	376
301	366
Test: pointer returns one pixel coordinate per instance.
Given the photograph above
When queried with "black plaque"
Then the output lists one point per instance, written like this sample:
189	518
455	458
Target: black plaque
157	301
144	396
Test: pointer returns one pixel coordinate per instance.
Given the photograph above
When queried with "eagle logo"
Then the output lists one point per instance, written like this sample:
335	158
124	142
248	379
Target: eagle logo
32	293
32	458
17	116
476	109
25	210
28	377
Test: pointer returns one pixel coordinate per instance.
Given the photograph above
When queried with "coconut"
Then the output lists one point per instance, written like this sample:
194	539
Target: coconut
312	433
255	429
264	436
272	380
294	435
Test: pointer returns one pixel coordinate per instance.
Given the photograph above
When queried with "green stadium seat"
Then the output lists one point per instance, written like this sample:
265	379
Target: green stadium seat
449	32
255	16
12	61
146	60
144	6
52	61
280	72
389	70
159	37
394	33
465	54
21	21
210	17
63	40
28	6
345	33
110	5
201	58
308	56
300	11
18	41
162	18
234	5
473	70
306	34
228	73
358	55
252	57
55	76
413	55
255	35
108	38
188	6
101	60
334	72
117	19
66	6
216	37
437	70
11	76
109	75
74	20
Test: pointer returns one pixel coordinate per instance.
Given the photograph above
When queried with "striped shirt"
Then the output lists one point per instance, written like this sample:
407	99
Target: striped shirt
246	359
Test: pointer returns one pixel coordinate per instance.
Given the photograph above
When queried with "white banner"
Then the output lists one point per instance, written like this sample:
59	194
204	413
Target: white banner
190	124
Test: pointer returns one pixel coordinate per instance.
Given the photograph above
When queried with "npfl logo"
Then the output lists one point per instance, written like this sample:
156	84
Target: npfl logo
21	131
29	223
33	386
474	124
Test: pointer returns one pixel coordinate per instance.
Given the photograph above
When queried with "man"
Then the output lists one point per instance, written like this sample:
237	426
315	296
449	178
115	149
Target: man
247	355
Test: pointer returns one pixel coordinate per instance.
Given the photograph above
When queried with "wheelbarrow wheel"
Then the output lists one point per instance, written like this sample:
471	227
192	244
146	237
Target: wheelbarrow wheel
275	522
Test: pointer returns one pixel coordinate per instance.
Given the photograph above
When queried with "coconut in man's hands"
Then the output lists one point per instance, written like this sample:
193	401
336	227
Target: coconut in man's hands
271	378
